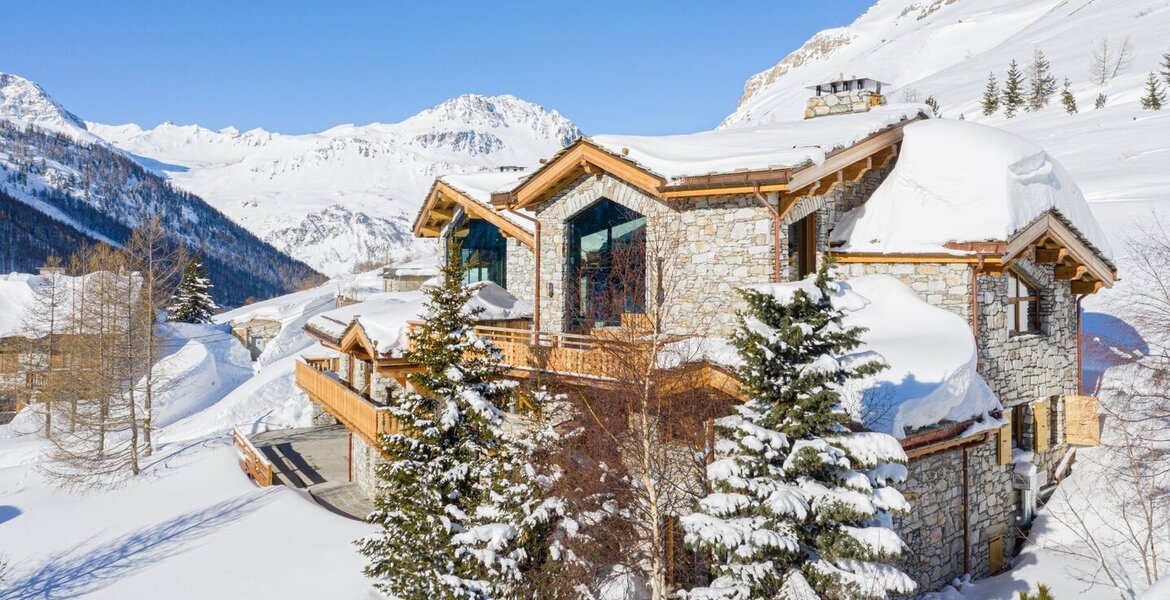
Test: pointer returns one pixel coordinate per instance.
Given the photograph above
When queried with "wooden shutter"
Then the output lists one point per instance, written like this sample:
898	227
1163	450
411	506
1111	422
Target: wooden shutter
1082	426
1005	439
995	554
1040	428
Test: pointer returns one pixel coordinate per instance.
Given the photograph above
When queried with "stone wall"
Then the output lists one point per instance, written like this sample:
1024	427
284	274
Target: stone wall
933	530
708	246
945	285
852	101
521	265
365	460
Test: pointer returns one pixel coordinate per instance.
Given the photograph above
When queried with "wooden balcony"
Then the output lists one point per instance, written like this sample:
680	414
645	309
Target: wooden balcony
358	413
252	461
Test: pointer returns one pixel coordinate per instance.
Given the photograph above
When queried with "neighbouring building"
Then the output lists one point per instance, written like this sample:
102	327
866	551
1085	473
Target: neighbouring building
409	276
971	229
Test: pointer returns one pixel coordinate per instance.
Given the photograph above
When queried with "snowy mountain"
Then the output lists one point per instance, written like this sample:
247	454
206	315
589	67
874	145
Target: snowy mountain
345	196
62	187
947	48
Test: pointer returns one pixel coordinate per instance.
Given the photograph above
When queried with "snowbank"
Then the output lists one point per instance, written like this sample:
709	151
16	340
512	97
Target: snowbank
16	294
957	181
930	353
775	145
385	317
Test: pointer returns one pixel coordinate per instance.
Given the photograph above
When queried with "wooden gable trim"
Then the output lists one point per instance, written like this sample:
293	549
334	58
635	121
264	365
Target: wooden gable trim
439	208
355	337
882	146
872	257
1073	259
582	157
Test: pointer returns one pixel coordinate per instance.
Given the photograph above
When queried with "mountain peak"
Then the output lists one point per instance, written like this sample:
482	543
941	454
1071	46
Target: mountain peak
504	111
25	103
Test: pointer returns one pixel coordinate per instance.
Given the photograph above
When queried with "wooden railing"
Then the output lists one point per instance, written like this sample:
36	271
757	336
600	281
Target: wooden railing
564	353
353	410
255	464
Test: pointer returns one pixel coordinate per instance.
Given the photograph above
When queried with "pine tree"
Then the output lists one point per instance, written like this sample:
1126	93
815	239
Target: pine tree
1042	83
991	96
779	520
1155	96
192	303
933	104
1042	593
1099	102
453	503
1067	99
1013	91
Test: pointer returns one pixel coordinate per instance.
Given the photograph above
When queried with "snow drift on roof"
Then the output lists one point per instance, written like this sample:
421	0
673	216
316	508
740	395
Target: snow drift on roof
930	352
386	317
775	145
480	186
957	181
426	265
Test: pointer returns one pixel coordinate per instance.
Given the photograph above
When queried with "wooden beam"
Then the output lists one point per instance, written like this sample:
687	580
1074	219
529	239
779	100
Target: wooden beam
1050	256
840	159
1049	227
871	258
428	231
1091	286
442	214
548	180
1068	272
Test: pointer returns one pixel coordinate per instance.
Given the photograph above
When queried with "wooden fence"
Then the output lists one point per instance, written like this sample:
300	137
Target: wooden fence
254	463
353	410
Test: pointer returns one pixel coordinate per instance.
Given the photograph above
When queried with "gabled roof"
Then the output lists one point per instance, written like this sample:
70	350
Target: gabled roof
472	193
792	157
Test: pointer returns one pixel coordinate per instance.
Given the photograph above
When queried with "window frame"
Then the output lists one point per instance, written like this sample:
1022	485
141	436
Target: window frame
1014	300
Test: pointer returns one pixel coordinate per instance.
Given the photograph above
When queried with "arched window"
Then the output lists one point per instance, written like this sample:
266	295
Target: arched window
485	251
607	266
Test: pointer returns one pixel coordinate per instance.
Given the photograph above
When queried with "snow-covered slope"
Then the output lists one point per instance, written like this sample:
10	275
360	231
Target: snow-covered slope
26	103
344	196
946	48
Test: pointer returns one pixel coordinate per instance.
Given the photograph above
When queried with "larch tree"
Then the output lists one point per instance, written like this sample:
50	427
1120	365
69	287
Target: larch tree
1013	90
1165	67
1067	98
1155	95
1042	83
990	101
801	506
455	506
43	326
192	302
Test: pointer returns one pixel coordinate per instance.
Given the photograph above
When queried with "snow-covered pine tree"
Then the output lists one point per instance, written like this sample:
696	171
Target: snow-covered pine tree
1013	90
1155	96
991	96
799	502
1042	83
1067	99
1099	102
192	302
451	503
933	104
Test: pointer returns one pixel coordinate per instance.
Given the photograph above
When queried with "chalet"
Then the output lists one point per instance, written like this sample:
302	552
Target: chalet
988	231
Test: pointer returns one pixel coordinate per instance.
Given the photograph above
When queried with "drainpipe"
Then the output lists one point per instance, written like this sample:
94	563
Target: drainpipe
536	274
775	210
1080	359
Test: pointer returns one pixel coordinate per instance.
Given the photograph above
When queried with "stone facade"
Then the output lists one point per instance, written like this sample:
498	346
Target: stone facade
945	285
933	530
708	247
840	103
521	265
364	461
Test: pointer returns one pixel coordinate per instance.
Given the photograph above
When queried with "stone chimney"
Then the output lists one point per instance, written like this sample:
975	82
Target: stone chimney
844	96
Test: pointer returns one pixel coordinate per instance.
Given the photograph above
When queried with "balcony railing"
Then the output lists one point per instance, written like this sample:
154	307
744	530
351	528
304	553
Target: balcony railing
356	412
254	463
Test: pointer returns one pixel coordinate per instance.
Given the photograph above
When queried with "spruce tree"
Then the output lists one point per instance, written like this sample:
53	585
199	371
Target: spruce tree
1013	90
800	502
1155	96
454	508
1042	83
1067	99
933	104
991	96
1099	102
192	302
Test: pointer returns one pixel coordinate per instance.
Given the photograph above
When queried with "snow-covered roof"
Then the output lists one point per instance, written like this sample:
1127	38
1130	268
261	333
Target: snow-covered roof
930	352
426	266
18	296
480	187
957	181
386	317
773	146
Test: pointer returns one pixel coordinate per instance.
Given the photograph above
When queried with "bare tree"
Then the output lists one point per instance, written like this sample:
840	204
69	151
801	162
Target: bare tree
639	460
1107	63
42	326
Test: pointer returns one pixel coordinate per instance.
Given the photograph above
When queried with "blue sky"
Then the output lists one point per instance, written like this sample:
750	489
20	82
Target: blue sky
626	67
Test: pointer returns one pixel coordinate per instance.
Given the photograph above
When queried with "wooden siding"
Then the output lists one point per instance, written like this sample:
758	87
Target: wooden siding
1082	423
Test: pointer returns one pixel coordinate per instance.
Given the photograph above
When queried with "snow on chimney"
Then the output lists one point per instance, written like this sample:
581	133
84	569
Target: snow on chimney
844	96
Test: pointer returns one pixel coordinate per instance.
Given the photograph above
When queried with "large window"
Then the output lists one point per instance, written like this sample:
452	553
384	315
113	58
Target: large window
1023	306
484	252
607	266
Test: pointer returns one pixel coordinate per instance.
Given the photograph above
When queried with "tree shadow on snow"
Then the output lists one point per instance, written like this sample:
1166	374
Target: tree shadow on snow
8	513
96	564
